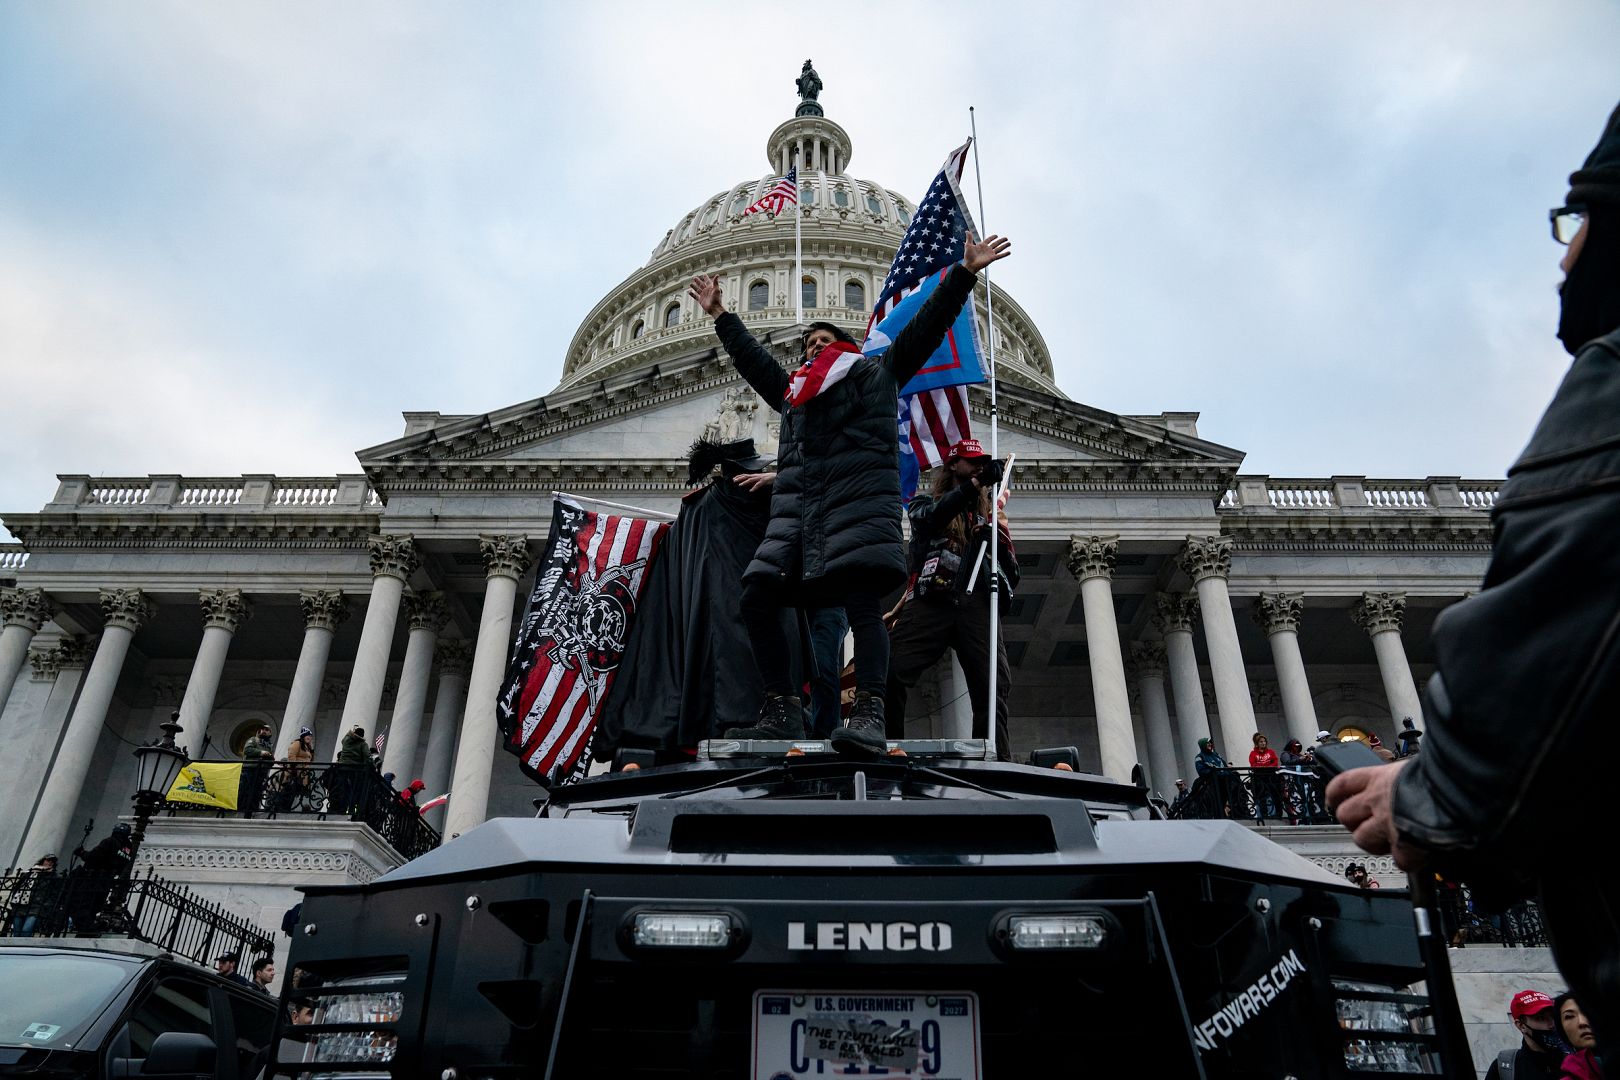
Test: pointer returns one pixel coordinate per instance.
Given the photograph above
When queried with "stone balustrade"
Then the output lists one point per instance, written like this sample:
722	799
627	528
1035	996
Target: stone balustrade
12	558
276	494
1291	495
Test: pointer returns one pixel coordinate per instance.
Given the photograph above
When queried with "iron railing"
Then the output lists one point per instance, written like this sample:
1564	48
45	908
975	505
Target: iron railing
326	791
1463	921
106	903
1273	796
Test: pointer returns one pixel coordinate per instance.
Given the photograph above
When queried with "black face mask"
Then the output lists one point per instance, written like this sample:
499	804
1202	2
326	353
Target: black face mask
1591	293
1552	1041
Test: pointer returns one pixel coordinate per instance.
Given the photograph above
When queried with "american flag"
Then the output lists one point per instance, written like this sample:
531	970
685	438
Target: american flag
785	193
573	636
931	420
378	741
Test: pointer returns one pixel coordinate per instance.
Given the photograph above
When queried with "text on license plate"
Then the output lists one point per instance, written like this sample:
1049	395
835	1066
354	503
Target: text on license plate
866	1033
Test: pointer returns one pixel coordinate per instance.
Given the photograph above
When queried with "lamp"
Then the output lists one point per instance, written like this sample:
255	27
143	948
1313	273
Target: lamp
157	764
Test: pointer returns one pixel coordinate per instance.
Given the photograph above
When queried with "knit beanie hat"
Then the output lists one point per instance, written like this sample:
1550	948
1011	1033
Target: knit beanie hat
1598	180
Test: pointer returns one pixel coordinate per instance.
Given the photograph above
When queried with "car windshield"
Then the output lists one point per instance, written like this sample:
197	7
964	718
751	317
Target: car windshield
65	993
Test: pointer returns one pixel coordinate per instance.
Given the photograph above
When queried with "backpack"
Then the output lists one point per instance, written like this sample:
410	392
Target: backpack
1505	1062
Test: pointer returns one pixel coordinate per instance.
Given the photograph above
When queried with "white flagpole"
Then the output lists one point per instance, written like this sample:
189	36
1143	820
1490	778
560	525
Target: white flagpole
798	253
990	357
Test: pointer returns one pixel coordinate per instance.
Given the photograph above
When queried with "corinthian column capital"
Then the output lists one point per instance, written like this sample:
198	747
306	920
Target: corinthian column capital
24	607
392	555
1177	611
454	657
324	609
504	556
126	608
1278	611
1092	556
1148	658
427	611
224	608
1376	612
1205	557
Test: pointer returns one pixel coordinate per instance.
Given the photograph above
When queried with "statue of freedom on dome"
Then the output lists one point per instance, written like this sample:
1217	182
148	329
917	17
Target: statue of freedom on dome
809	84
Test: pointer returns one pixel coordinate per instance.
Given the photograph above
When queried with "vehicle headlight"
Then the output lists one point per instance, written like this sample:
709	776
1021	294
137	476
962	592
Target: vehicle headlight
1056	932
682	929
361	999
1385	1030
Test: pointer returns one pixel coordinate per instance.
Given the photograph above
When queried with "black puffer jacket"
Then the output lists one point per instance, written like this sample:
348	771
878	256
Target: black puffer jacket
835	510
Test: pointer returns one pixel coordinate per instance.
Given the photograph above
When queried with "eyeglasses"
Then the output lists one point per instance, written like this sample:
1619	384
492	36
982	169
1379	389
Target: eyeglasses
1566	222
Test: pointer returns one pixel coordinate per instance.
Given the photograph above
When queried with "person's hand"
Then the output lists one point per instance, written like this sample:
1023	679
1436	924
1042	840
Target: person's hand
976	255
990	475
755	481
705	292
1364	802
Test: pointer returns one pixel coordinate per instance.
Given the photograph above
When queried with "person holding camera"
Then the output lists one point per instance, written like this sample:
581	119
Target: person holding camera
1521	736
946	607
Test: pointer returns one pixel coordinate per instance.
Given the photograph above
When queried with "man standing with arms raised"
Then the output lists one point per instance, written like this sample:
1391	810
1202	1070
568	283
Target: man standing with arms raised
834	532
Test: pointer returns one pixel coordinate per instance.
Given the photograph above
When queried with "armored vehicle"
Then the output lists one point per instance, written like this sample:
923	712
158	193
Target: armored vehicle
776	911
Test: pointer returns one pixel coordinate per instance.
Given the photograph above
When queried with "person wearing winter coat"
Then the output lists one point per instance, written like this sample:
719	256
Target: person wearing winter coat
1520	737
293	779
834	530
348	771
258	756
1583	1064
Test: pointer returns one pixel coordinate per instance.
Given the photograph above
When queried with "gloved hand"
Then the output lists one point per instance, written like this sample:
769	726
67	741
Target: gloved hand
991	473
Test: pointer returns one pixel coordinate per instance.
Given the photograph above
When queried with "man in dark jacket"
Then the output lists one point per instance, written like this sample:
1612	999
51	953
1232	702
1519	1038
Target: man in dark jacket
258	757
348	772
834	530
1513	782
950	530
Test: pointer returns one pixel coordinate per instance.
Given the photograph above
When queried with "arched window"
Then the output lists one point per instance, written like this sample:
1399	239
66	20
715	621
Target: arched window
759	295
904	215
739	204
874	205
711	215
854	295
672	314
807	194
840	198
807	291
637	330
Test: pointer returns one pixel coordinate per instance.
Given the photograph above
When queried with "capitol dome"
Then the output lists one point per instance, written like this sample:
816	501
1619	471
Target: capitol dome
849	231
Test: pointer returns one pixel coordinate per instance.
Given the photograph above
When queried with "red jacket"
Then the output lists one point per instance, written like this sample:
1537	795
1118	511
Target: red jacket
1582	1065
1263	759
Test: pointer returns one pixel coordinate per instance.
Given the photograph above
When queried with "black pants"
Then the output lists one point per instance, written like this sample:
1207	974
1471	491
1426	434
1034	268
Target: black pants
763	598
928	627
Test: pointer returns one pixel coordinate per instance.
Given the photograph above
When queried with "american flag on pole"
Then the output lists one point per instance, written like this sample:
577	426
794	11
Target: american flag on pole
573	635
377	743
933	413
784	193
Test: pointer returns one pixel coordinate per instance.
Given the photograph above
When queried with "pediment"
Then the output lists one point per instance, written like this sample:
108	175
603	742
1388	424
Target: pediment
654	415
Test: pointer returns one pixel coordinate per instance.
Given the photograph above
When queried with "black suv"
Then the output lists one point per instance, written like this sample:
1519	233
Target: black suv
124	1009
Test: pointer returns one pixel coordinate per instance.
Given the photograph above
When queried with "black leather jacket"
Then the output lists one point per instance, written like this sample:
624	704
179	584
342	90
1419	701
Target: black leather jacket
1524	708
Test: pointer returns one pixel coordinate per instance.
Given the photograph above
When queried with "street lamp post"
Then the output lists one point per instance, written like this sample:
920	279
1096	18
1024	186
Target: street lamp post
157	764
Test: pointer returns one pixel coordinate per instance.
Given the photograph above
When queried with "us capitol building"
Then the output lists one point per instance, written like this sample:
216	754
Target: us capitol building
1166	594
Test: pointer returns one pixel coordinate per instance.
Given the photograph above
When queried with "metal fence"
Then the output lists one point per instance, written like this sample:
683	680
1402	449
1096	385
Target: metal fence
102	903
1273	796
326	791
1464	921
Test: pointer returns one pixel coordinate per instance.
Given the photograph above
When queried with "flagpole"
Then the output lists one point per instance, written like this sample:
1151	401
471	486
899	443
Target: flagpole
798	254
991	711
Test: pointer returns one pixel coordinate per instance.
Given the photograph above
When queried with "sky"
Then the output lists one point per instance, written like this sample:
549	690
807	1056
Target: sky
244	237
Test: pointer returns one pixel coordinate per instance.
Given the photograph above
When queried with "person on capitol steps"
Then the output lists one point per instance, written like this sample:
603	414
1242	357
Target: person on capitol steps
834	531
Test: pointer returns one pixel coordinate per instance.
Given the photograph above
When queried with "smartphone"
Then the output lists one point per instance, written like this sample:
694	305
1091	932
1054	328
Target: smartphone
1336	757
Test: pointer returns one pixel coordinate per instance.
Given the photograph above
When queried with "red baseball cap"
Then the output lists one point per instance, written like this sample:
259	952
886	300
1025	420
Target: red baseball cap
967	448
1528	1003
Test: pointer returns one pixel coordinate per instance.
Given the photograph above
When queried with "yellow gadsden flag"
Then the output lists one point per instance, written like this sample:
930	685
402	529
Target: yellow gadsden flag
208	783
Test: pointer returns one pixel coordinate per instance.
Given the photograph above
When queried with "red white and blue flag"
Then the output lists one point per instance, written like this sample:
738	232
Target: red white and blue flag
933	414
573	636
784	193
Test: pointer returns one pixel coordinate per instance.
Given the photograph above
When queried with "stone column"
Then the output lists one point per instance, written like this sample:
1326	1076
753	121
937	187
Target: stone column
393	561
1148	663
1380	614
1091	560
454	657
124	611
324	610
1278	614
223	611
1178	613
35	740
427	614
23	611
505	559
1208	561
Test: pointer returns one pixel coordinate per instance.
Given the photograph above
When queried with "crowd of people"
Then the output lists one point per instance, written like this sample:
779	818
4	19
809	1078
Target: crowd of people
273	785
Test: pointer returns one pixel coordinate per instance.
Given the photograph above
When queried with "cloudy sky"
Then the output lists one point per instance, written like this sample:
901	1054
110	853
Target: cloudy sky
243	237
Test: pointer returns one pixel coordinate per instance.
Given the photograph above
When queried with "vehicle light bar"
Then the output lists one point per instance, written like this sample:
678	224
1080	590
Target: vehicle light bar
1056	932
682	930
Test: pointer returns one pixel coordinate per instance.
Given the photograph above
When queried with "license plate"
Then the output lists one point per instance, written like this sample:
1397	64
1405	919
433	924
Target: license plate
866	1033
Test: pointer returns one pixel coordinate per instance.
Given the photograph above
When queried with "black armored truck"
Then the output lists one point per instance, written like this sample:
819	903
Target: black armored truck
775	911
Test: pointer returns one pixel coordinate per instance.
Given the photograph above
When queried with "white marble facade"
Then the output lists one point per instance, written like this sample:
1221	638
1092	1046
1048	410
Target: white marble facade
1239	602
